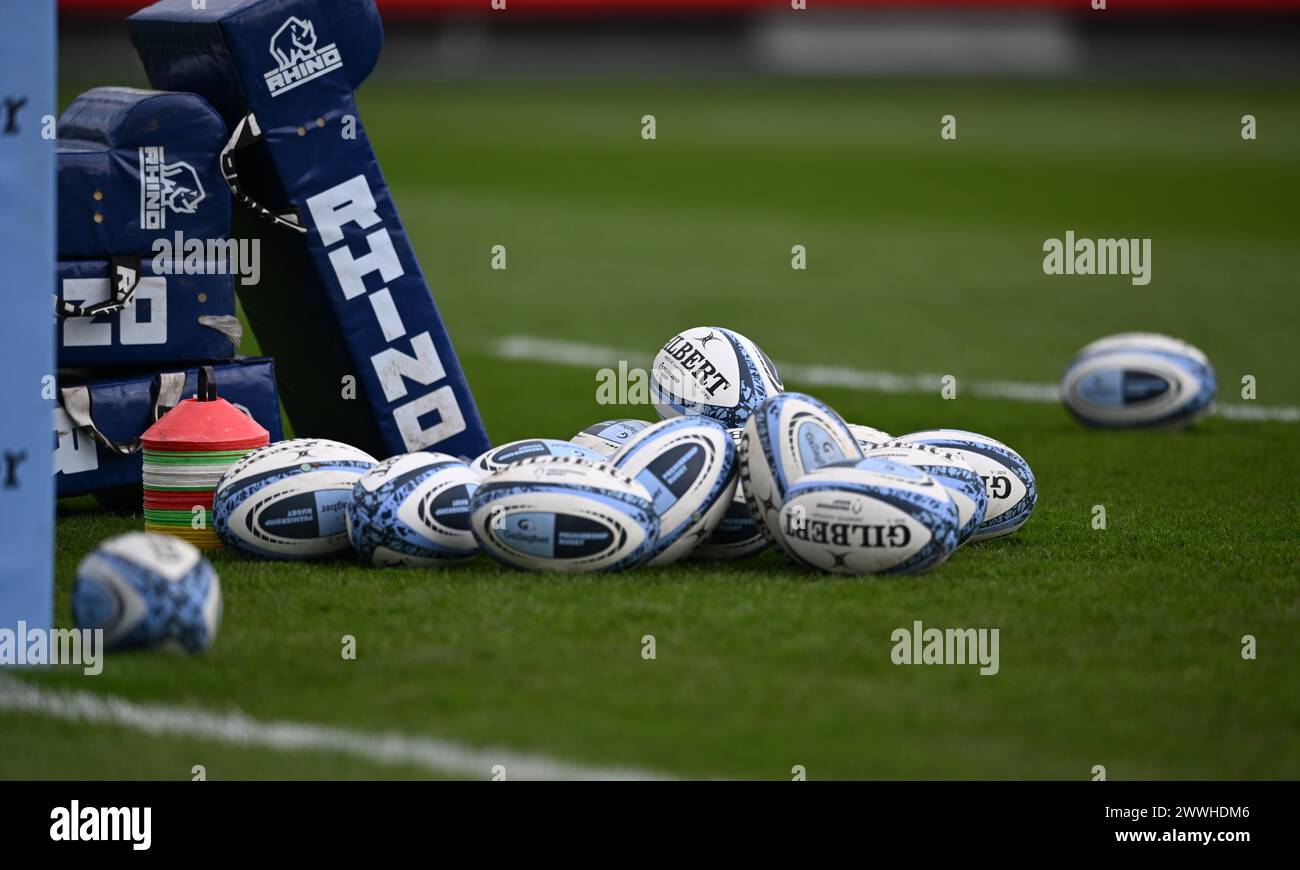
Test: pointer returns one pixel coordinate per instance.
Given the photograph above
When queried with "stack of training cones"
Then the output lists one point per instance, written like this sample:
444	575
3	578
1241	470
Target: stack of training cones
185	454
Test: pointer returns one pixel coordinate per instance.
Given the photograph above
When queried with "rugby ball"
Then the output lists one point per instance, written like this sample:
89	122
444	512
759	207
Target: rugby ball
413	509
146	590
1138	379
608	436
786	437
689	467
869	516
1008	482
950	471
737	535
868	437
562	513
529	448
289	500
712	372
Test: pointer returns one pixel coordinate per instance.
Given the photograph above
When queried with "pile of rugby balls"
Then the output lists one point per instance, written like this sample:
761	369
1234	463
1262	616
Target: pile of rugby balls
736	465
839	497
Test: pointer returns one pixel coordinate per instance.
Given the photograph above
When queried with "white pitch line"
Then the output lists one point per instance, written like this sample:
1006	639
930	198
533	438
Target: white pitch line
237	729
572	353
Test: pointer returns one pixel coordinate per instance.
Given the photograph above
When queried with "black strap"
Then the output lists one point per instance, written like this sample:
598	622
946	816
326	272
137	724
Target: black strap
246	134
207	384
123	277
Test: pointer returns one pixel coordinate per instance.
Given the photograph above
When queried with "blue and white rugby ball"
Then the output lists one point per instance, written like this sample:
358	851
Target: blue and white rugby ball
868	437
607	436
738	535
869	516
786	437
1138	379
564	514
506	455
289	500
413	509
689	467
148	590
712	372
950	471
1010	485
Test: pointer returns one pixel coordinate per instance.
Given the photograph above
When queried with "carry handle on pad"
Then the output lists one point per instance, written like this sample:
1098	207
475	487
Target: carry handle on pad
293	64
124	273
246	135
168	388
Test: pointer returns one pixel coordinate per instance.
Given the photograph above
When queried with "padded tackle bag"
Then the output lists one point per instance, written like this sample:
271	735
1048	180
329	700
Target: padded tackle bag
350	299
135	166
98	423
169	317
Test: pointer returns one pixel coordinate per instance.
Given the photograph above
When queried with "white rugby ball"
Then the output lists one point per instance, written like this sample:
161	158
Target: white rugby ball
564	514
289	500
868	437
1138	379
689	467
950	471
413	509
712	372
607	436
146	590
786	437
1008	481
506	455
738	535
869	516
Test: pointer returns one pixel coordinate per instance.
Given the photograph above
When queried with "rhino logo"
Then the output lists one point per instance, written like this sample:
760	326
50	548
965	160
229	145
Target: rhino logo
297	58
181	189
166	187
294	42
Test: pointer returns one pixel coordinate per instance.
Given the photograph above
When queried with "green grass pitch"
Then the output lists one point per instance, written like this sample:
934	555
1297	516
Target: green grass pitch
1119	647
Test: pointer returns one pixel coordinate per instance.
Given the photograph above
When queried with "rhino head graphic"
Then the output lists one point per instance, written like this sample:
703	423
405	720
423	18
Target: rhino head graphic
181	190
295	41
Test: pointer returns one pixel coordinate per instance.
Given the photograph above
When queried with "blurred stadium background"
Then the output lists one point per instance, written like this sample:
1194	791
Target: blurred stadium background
1198	39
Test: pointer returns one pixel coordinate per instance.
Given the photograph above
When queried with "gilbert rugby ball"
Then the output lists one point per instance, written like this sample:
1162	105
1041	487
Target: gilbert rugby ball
529	448
869	516
413	509
289	500
608	436
564	514
1010	485
787	436
738	535
712	372
689	467
950	471
1138	379
868	437
148	590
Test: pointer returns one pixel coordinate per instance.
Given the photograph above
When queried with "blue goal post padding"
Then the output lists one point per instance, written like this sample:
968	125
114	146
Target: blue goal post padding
27	72
350	300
